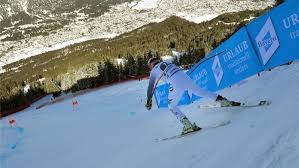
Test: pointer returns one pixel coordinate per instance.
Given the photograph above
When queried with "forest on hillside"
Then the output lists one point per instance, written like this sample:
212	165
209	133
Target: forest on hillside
92	63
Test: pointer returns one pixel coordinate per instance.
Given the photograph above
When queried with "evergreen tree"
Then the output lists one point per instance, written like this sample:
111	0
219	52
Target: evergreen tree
171	45
278	2
101	76
158	55
149	55
176	61
121	74
130	66
110	72
141	66
199	54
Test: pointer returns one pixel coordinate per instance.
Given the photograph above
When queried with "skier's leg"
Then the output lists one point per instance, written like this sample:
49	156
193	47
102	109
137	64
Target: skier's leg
174	98
182	80
216	97
193	88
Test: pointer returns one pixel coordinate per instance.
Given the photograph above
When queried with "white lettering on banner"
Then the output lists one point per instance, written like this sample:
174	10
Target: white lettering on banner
217	70
291	20
232	53
161	94
267	45
239	61
266	42
203	83
200	74
294	34
201	78
241	69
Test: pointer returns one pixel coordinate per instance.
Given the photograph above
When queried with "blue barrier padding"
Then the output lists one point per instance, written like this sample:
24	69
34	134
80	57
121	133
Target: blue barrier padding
268	41
237	62
161	96
202	76
275	35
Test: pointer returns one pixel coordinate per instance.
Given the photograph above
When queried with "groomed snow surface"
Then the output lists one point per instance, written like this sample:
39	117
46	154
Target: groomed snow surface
112	129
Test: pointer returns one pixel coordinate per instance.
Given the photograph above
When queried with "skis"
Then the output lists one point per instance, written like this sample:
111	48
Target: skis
192	133
243	105
246	105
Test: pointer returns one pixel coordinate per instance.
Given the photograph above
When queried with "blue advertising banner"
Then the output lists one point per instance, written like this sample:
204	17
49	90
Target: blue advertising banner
231	62
161	96
203	75
236	62
268	41
275	35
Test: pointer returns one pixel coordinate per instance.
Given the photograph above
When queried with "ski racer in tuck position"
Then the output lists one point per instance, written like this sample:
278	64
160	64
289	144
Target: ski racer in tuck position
179	82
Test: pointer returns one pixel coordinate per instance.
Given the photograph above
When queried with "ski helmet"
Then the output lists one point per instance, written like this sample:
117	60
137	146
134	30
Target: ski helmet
152	62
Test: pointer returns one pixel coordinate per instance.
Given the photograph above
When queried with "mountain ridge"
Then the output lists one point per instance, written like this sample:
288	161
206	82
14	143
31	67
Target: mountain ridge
40	30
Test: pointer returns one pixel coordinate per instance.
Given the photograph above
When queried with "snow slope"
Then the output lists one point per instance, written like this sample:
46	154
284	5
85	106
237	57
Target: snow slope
112	129
144	4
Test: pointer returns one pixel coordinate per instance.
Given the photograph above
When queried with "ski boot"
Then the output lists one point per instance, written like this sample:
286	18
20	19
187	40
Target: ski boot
226	103
188	127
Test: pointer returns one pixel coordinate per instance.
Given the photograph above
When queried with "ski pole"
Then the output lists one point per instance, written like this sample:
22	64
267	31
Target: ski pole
189	73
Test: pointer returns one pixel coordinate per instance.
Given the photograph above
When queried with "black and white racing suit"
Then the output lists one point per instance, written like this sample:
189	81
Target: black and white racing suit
179	82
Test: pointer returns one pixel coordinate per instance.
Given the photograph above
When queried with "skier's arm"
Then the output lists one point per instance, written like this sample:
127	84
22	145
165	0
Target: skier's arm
150	89
151	84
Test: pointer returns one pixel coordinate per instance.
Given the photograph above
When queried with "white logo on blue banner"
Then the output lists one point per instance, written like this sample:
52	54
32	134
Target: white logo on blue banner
267	41
217	70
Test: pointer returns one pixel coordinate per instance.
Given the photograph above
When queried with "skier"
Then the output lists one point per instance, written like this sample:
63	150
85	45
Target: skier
179	82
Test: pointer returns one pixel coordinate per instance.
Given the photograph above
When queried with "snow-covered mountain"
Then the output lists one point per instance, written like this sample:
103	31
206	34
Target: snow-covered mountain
112	129
31	27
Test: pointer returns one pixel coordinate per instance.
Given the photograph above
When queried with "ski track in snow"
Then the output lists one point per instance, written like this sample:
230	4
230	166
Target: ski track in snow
112	129
280	152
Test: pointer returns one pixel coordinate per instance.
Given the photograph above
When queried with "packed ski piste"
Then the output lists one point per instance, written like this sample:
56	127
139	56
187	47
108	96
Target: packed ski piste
112	128
251	121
